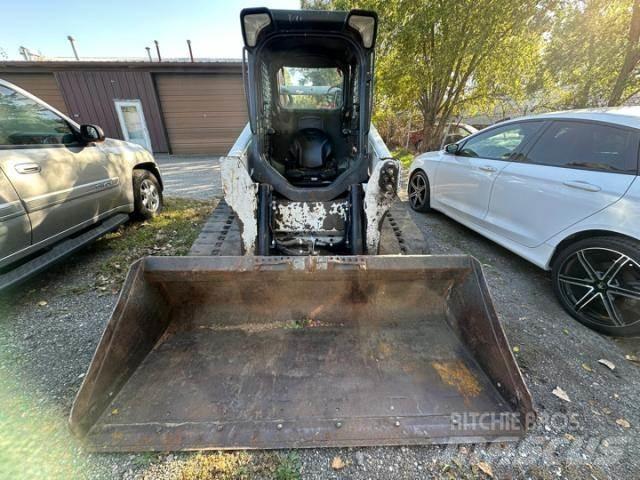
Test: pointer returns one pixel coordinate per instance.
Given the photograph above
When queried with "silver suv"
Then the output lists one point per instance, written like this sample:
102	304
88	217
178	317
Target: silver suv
63	185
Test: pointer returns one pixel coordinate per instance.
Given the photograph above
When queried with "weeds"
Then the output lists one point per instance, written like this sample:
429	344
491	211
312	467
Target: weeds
170	233
405	157
288	467
298	324
219	466
228	466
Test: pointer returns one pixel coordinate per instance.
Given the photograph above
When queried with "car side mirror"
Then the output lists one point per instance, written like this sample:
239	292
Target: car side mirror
452	148
91	133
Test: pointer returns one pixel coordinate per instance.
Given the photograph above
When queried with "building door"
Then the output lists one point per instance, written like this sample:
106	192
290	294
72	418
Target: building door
203	113
132	123
42	85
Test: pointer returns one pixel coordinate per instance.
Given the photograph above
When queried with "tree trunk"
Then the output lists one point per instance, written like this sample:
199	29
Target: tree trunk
432	134
582	100
631	57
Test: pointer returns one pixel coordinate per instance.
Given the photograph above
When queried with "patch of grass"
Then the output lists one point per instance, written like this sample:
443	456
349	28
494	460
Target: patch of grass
297	324
303	323
219	466
227	466
288	467
405	157
170	233
143	459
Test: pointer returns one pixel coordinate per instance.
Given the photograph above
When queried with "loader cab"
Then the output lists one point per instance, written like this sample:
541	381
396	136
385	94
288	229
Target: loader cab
308	80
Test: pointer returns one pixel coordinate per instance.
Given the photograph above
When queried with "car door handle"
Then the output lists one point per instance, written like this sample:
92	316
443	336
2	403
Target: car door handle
589	187
26	168
487	168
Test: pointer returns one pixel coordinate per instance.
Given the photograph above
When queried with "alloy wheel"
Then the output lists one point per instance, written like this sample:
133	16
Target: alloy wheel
149	195
417	191
602	286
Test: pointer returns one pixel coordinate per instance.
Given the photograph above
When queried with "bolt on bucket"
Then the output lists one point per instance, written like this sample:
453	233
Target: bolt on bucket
284	352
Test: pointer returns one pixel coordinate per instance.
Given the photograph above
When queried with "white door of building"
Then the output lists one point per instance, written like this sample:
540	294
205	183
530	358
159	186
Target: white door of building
134	127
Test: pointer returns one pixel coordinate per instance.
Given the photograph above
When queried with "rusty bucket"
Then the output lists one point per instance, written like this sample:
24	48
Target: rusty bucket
281	352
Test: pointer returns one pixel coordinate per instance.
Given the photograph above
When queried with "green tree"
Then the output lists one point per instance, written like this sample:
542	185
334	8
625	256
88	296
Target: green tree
631	58
585	49
440	57
330	77
439	60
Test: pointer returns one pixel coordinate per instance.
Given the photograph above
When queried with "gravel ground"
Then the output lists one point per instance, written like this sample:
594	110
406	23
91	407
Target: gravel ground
49	331
190	176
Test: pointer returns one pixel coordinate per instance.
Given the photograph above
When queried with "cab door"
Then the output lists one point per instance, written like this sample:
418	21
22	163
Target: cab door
15	229
64	184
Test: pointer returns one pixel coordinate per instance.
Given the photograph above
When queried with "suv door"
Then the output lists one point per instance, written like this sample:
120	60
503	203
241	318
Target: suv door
573	170
64	184
464	180
15	229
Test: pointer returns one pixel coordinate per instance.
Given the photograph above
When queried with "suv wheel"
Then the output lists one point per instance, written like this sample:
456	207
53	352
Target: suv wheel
598	282
419	192
147	195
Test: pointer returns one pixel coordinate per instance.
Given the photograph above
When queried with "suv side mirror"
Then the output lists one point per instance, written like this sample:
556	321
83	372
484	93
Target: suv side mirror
91	133
452	148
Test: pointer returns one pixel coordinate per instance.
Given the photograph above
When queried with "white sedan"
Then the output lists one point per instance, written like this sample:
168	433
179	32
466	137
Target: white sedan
562	191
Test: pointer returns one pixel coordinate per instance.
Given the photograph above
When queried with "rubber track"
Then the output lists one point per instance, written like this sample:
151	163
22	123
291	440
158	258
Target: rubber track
220	235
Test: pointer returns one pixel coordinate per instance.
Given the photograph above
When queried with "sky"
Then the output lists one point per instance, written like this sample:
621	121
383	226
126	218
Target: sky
123	28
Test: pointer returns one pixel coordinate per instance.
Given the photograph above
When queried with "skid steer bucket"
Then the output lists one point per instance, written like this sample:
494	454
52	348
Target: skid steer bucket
281	352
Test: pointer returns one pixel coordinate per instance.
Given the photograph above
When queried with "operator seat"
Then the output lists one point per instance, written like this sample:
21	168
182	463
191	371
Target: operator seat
310	158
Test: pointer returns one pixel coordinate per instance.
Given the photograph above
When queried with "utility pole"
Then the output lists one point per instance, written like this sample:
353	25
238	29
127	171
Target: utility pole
73	46
149	53
190	51
158	50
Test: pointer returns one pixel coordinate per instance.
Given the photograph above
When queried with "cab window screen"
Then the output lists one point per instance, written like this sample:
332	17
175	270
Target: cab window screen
310	88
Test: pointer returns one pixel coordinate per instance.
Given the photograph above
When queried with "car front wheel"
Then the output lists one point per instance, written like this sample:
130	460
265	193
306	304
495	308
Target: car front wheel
597	281
418	192
147	195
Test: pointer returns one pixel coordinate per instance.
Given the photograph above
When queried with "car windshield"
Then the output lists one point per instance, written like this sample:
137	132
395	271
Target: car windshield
310	88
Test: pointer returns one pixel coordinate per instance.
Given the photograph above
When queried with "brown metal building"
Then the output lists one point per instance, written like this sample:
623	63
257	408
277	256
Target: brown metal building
174	107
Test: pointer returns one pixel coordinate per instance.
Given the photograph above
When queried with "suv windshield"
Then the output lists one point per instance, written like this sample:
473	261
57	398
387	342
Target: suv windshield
310	88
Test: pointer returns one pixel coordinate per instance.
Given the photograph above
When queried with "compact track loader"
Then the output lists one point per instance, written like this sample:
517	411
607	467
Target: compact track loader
306	314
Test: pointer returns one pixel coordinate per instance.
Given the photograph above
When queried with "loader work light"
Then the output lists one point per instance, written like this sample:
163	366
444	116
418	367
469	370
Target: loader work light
252	26
365	25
